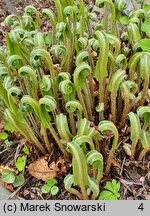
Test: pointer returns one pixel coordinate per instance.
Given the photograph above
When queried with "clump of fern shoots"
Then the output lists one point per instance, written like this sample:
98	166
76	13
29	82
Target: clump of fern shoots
70	88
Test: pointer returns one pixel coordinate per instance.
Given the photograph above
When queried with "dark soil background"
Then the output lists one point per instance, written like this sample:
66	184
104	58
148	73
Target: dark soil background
134	176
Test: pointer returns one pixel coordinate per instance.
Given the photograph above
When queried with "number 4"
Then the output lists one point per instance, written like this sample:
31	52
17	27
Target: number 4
141	207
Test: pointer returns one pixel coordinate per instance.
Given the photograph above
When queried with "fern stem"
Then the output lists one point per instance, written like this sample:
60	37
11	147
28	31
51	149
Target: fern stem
145	89
83	18
109	161
133	148
72	123
101	95
113	106
59	143
106	12
47	143
142	154
88	101
125	110
84	192
81	99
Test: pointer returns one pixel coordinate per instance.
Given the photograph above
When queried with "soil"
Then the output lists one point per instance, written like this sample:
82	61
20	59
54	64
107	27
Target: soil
133	176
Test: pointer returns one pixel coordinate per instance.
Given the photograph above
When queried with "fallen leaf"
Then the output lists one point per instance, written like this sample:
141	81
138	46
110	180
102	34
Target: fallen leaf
40	170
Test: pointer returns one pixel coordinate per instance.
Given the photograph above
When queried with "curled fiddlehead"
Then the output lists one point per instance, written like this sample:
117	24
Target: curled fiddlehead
72	106
139	14
15	62
133	62
67	88
70	12
46	85
94	43
79	77
63	76
28	73
82	57
12	20
82	140
13	94
61	27
121	5
30	104
121	61
36	56
69	182
105	126
3	72
80	74
8	83
92	16
50	14
81	43
135	20
47	104
101	3
144	111
30	10
28	22
95	159
61	53
113	87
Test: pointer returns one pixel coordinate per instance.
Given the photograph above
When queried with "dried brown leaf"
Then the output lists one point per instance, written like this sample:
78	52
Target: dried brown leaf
40	170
